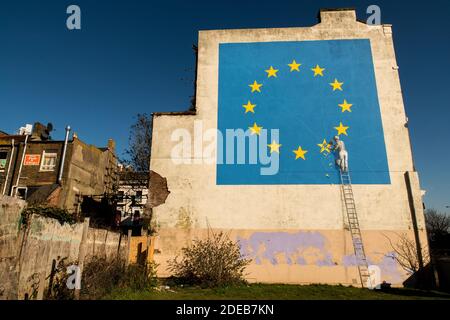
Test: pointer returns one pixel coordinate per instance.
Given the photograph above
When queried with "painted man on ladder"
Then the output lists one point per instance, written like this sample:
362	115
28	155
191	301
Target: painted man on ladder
342	160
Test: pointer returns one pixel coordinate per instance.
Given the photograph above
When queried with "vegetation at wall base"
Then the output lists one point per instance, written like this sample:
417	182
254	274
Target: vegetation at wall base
101	276
62	215
211	262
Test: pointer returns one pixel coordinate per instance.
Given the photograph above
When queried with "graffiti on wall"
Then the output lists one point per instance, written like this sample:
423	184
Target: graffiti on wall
283	247
308	248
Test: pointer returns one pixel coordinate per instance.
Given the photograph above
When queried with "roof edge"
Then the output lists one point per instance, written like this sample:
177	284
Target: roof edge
174	113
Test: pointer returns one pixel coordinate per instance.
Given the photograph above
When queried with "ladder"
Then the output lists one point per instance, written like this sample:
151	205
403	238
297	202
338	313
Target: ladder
355	231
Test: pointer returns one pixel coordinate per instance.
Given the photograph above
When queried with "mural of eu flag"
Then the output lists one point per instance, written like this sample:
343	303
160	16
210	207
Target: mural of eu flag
310	91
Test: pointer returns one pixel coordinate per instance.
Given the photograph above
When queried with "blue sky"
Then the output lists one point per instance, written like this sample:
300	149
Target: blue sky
135	56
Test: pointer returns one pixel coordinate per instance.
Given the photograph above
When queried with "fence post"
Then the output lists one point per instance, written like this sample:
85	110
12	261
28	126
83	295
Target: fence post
148	257
22	242
50	281
127	257
82	253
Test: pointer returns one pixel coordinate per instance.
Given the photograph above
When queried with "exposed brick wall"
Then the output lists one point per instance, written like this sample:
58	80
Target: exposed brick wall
158	191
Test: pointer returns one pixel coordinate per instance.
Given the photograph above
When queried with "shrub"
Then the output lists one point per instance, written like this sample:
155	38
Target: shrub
101	276
212	262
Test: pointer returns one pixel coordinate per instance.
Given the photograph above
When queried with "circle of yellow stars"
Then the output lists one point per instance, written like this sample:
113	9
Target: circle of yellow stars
318	71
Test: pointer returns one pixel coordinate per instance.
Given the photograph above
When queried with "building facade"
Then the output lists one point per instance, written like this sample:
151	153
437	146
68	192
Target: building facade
32	168
293	224
132	193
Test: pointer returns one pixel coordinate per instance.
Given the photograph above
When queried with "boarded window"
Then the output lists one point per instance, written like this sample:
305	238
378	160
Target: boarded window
48	161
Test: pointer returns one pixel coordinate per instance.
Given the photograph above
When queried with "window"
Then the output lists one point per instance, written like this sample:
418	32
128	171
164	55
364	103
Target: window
48	162
3	157
120	195
21	193
138	196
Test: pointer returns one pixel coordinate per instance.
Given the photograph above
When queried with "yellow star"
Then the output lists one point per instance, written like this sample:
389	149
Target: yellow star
255	129
274	147
324	146
249	107
346	106
255	86
341	129
271	72
294	65
336	85
318	71
300	153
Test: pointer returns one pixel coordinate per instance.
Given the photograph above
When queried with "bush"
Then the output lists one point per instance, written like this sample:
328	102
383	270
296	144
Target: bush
215	261
101	276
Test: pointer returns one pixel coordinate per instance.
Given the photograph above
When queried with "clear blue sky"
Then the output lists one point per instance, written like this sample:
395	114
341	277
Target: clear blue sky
135	56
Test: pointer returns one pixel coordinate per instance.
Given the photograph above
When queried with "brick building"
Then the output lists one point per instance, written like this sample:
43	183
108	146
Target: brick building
60	173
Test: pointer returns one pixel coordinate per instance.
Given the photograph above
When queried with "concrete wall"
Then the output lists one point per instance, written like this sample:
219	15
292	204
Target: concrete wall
10	209
27	254
90	171
295	233
46	239
106	244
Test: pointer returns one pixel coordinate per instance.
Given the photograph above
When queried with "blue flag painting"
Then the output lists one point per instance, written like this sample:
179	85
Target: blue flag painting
303	93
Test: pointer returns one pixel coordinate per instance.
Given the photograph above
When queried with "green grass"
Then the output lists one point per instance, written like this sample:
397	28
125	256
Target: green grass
276	292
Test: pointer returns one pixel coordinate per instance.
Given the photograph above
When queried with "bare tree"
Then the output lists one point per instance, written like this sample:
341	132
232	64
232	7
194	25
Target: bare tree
406	253
437	223
139	148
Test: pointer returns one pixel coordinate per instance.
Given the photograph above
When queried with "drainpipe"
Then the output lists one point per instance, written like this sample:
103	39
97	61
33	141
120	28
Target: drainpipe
61	167
21	165
11	157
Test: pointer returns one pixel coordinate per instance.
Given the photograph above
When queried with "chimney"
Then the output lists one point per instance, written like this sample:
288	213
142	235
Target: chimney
38	128
111	145
340	16
41	132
